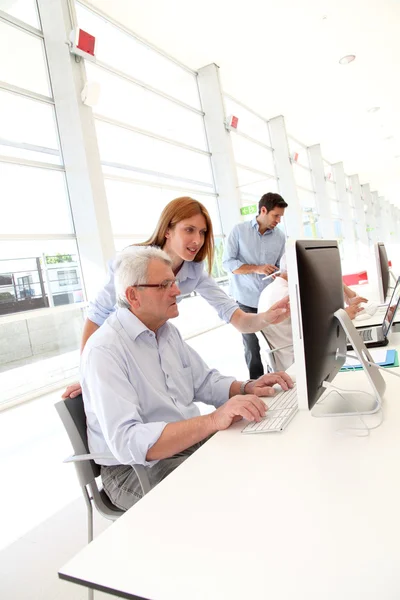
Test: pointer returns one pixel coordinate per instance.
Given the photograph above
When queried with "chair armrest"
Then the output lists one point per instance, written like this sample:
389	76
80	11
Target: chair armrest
139	469
82	457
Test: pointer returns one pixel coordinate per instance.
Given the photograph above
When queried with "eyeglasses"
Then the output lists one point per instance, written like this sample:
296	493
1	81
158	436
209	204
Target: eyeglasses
164	285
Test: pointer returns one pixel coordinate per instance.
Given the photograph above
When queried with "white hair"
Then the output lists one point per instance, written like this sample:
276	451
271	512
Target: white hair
283	264
131	268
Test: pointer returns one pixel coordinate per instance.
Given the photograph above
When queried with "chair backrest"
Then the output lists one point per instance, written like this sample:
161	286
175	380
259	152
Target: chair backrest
72	414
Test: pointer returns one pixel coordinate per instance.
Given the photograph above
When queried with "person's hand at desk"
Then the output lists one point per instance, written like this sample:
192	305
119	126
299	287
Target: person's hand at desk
263	385
248	407
350	296
356	300
354	306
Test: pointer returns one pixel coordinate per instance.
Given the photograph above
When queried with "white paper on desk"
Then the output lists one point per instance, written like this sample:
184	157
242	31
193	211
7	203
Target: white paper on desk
378	356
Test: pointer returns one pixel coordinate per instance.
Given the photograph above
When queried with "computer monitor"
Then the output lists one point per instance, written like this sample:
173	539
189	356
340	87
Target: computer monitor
316	292
382	269
320	329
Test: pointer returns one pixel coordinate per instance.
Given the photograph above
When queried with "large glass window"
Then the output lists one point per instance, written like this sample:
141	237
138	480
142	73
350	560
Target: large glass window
302	172
25	66
303	176
36	201
139	107
126	147
23	10
249	123
28	129
41	287
124	52
41	315
254	156
298	152
128	199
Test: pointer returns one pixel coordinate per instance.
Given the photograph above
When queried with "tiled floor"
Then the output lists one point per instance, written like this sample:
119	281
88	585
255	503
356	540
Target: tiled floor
43	515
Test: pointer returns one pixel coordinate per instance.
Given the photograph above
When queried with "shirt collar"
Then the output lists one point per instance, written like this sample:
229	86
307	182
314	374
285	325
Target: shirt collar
189	270
255	225
131	324
254	222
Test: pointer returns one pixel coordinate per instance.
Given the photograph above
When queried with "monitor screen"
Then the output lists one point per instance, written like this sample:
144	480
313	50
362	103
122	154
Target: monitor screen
382	267
316	292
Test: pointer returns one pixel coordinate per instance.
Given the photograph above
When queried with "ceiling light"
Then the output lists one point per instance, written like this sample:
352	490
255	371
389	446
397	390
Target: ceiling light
389	137
345	60
374	109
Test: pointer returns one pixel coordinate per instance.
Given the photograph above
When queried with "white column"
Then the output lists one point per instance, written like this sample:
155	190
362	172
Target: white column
360	216
394	231
325	217
220	146
286	181
397	223
385	219
395	226
79	146
377	217
370	217
349	239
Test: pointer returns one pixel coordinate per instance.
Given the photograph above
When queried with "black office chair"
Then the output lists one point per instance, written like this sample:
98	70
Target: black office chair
72	414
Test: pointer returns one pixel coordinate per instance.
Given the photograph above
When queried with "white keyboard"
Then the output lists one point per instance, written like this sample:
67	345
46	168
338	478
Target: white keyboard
281	409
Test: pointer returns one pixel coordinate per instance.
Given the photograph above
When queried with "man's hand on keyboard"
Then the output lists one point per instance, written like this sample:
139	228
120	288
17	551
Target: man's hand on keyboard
249	407
263	385
356	300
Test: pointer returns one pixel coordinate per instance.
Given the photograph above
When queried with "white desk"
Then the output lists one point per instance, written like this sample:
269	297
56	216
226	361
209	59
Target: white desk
306	514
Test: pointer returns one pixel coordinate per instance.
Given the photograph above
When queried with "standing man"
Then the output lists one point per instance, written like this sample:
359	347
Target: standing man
253	250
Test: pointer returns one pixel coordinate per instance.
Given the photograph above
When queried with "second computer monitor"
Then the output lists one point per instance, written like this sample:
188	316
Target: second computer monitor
316	292
382	268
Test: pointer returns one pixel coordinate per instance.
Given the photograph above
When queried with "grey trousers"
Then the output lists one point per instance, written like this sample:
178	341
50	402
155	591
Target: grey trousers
122	486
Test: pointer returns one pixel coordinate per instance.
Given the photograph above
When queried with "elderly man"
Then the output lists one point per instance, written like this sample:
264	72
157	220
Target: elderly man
140	381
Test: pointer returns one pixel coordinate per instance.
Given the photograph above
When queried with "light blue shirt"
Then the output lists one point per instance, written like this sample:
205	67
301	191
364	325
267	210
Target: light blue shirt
246	246
191	278
135	382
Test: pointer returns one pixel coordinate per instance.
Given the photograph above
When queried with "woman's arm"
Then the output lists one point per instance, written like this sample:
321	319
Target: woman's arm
104	303
88	329
229	311
75	389
249	323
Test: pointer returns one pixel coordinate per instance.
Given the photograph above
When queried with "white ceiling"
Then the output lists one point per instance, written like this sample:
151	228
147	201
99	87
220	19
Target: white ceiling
282	57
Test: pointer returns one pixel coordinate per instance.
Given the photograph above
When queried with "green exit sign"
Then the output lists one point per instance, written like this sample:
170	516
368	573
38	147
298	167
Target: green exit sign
248	210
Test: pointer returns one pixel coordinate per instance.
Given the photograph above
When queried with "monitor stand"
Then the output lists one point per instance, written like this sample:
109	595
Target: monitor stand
336	403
